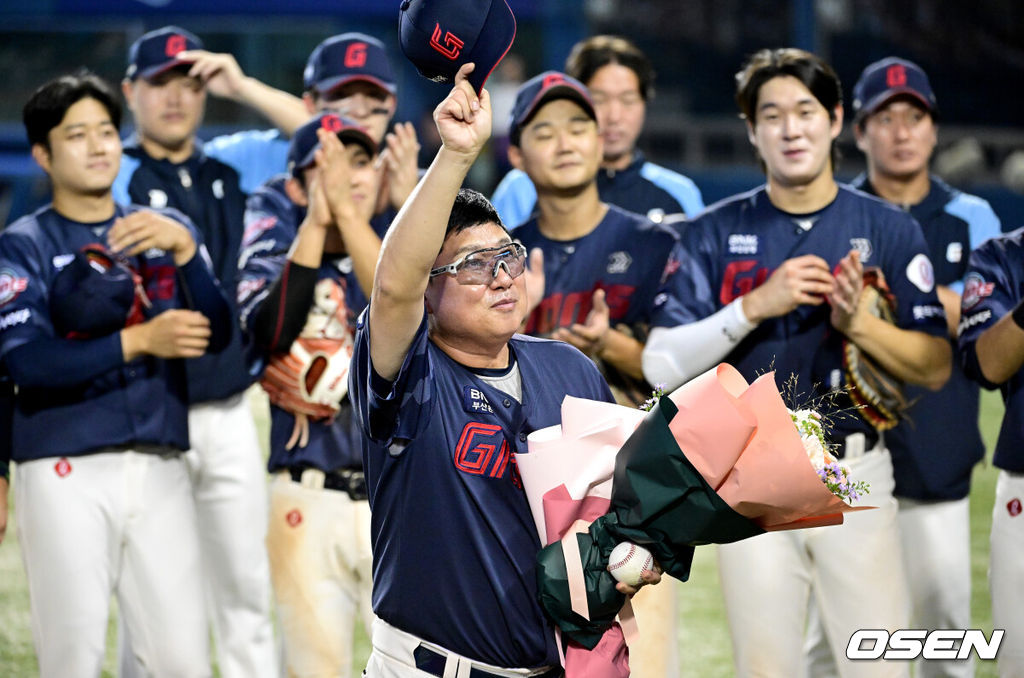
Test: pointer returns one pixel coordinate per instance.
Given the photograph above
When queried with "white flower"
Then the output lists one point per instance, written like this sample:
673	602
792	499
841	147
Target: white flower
808	425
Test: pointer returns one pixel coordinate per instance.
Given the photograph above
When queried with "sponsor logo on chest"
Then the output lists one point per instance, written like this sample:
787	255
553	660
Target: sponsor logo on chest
619	262
742	244
863	246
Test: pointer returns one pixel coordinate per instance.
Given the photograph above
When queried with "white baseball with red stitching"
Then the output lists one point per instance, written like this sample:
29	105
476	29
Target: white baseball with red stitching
628	562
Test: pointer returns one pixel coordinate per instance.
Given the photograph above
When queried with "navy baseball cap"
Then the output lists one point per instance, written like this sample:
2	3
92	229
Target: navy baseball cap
157	51
439	36
541	89
890	77
345	58
93	295
305	140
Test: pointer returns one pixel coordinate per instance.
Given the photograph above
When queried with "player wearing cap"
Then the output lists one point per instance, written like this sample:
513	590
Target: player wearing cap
992	353
439	378
100	425
777	284
894	124
620	79
309	254
348	74
165	166
602	268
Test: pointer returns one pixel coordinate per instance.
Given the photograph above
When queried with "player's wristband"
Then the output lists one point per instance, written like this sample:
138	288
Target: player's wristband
1018	315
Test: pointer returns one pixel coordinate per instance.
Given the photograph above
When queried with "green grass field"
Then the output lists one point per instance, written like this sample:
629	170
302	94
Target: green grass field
703	635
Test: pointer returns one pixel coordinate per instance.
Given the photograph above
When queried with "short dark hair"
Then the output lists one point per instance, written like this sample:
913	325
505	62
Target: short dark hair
50	103
816	75
590	55
471	208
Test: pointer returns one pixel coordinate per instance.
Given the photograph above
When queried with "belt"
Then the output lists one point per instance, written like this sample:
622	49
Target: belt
350	481
433	662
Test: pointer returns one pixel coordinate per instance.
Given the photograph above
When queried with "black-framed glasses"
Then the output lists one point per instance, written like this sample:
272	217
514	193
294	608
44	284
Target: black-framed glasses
480	267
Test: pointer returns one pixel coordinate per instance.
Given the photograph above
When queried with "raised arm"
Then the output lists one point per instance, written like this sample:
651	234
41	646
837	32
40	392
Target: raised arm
224	78
411	245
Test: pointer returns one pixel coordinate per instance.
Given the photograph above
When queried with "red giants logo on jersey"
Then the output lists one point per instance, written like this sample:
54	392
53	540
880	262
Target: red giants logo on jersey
452	46
740	278
11	286
562	309
1013	507
483	451
293	518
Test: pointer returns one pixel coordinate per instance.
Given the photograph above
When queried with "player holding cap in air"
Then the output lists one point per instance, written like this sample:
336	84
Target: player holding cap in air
310	253
101	423
440	375
620	79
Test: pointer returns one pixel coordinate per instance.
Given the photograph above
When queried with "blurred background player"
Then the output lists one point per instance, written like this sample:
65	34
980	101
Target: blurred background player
309	254
895	126
348	74
992	351
777	283
165	166
601	268
620	79
103	497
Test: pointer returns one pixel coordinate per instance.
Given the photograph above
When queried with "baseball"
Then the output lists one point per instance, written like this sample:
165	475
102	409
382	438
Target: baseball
628	562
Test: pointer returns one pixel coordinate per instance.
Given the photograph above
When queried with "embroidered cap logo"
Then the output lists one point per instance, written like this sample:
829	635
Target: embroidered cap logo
896	76
452	46
175	44
551	80
331	123
355	55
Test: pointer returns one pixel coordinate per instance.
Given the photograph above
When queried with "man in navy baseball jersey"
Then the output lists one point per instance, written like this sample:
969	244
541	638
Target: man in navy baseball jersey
100	422
621	82
776	283
602	268
309	253
446	393
992	352
895	126
166	86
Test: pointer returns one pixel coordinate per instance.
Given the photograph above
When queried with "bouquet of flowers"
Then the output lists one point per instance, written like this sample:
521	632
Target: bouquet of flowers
835	476
716	461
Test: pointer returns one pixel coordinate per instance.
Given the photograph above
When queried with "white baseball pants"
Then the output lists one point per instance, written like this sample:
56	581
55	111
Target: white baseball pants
114	522
854	571
321	566
1006	572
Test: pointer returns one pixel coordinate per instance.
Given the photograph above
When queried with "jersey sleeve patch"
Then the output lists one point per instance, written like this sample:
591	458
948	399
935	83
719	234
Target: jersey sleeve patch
921	273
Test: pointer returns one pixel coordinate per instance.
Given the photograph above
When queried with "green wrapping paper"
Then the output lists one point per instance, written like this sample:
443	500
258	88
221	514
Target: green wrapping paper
659	501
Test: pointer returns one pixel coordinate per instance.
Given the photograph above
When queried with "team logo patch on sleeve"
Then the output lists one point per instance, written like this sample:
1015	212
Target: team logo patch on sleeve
919	272
11	285
976	289
474	401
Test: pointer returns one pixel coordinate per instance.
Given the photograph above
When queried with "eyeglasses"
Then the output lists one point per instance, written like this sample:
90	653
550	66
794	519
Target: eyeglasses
481	266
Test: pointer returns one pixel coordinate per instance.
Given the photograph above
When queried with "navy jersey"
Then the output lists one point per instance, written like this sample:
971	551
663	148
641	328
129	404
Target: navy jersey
734	247
643	187
994	287
207	191
142	402
454	542
932	460
628	257
272	223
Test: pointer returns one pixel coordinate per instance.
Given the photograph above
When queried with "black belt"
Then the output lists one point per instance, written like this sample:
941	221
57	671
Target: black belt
350	481
432	662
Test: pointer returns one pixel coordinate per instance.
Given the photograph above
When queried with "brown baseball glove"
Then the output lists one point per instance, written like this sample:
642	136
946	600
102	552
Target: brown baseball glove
878	395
